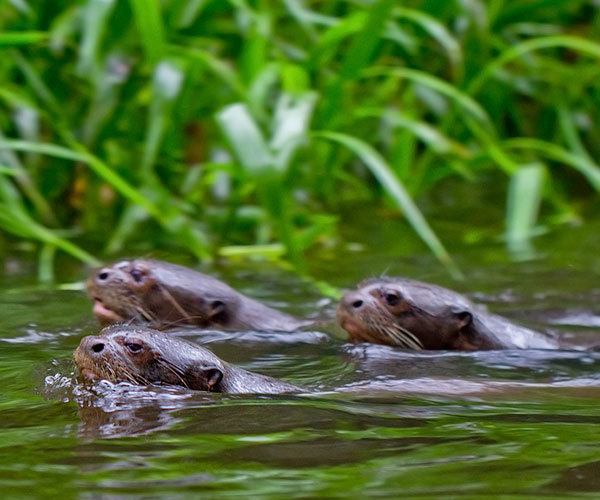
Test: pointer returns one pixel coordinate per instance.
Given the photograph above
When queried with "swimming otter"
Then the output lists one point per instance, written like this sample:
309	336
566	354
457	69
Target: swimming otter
166	294
144	356
415	315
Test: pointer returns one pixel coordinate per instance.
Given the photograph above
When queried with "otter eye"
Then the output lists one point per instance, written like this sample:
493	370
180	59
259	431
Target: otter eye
392	299
133	347
136	274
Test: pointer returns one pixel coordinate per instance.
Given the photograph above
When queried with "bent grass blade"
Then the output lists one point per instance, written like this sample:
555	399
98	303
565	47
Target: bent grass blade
392	185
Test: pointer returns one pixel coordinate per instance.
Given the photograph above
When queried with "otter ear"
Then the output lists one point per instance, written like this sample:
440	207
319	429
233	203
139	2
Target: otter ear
464	340
217	307
217	311
463	319
202	377
213	377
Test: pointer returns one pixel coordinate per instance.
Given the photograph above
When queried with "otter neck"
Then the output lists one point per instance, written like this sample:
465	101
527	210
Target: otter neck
239	381
253	314
476	337
501	333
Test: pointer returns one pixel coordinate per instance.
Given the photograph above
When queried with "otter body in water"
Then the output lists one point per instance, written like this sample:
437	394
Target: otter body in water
416	315
144	356
166	294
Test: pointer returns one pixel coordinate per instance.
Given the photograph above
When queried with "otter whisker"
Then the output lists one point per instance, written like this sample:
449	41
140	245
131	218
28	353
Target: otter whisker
125	373
144	313
172	300
133	378
384	272
183	321
410	338
415	339
399	336
107	372
130	321
173	370
396	338
407	339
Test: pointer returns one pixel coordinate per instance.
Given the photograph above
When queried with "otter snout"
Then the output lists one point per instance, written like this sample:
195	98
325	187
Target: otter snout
92	346
349	312
106	275
99	286
103	275
90	351
352	304
353	301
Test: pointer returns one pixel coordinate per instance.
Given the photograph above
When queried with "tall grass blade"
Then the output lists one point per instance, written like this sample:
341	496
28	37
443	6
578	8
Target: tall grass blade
108	84
95	16
188	12
24	181
35	81
245	138
216	66
569	132
63	28
101	169
22	6
515	52
46	263
308	18
19	223
385	175
148	19
582	164
439	32
359	54
429	135
166	86
363	46
9	171
290	126
524	199
14	39
461	99
130	220
254	154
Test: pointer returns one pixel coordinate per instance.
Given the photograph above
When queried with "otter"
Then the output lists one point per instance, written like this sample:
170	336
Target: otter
143	356
166	294
415	315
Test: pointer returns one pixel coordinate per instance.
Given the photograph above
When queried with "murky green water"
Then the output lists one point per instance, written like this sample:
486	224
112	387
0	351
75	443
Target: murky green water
379	421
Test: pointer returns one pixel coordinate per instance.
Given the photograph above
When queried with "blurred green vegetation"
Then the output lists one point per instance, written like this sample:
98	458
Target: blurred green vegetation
239	127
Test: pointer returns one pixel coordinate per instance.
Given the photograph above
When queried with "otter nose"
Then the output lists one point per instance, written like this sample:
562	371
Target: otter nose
98	347
353	300
103	275
93	345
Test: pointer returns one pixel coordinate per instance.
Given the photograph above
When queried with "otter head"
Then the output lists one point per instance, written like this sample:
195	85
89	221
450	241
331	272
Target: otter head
158	292
143	356
383	311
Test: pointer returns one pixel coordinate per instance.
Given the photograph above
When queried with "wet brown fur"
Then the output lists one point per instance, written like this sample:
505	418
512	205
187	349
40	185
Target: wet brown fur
416	315
164	359
168	295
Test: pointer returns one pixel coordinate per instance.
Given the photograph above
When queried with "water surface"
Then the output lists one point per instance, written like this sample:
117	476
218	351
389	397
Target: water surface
374	421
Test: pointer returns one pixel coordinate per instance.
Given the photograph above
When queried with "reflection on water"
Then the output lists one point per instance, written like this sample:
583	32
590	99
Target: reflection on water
374	420
108	410
122	410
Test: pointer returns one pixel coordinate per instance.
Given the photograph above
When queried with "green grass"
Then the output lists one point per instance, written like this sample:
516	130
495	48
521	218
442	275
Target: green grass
240	127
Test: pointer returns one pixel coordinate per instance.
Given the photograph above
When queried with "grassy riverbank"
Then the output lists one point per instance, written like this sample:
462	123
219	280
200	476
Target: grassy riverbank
226	127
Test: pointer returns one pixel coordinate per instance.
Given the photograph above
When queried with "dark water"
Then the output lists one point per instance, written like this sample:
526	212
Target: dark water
377	421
